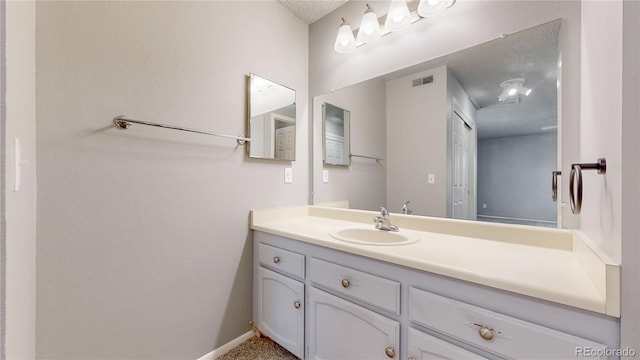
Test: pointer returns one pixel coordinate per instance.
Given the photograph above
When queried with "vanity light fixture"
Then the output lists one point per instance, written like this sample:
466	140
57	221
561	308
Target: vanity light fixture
370	27
512	88
428	8
345	41
400	15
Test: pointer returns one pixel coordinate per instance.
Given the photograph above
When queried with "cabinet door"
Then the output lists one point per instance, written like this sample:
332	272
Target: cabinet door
339	329
423	347
281	310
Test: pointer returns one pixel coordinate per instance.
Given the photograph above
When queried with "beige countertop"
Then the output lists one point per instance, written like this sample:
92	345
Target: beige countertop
555	265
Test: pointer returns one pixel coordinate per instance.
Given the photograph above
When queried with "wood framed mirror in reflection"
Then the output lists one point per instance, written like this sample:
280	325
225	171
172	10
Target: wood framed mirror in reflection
472	135
271	119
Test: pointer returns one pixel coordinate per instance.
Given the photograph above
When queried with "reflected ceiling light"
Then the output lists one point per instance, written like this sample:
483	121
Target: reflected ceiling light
428	8
512	88
370	27
345	41
398	16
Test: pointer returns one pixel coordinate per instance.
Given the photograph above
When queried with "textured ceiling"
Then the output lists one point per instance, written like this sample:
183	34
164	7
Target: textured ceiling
531	54
310	11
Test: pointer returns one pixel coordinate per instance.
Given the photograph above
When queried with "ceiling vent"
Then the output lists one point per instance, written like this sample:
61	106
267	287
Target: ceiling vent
423	81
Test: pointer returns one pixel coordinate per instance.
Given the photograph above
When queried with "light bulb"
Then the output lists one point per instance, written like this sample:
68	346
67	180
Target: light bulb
427	8
398	16
512	91
369	28
345	41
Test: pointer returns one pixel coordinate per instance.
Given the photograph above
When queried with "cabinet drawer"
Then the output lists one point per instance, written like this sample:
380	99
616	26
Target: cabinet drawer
281	260
503	335
371	289
426	347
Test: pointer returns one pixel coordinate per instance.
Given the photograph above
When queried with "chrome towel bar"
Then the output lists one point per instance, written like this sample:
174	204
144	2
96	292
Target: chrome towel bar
123	122
575	178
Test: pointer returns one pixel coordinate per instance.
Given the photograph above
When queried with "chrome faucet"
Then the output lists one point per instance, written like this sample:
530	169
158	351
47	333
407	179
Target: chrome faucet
383	222
405	208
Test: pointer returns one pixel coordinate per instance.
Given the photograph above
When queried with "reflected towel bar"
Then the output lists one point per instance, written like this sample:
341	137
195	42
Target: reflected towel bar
366	157
123	122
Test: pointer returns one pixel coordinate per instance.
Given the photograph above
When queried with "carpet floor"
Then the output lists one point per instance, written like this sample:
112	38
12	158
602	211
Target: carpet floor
258	348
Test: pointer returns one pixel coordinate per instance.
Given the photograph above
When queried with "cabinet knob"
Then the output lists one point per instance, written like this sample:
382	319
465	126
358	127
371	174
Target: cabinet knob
345	283
390	351
296	304
276	259
486	333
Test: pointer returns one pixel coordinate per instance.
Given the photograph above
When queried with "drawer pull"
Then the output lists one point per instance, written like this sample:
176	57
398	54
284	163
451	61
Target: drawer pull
276	259
345	283
486	333
296	304
391	352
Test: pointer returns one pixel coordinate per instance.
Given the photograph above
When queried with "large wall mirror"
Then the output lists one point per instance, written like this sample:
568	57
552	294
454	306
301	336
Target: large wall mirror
271	119
472	135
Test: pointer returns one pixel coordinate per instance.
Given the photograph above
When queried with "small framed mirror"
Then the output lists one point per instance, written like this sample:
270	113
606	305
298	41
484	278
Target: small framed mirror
271	119
336	135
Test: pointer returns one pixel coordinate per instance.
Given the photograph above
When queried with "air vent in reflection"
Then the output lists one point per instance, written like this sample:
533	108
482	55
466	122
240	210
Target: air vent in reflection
423	81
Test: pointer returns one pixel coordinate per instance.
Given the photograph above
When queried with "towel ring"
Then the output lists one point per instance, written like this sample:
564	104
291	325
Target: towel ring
575	180
554	184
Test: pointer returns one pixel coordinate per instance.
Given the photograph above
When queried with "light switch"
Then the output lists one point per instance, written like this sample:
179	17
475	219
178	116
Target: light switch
288	175
325	176
432	179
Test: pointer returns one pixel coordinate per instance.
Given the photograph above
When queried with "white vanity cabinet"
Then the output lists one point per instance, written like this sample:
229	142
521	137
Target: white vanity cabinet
280	299
339	329
355	307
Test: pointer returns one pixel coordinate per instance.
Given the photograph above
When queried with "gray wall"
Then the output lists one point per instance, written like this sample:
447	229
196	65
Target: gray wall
363	183
417	143
143	244
514	177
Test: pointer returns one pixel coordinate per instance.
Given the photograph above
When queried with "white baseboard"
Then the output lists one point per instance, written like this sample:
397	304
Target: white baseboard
228	346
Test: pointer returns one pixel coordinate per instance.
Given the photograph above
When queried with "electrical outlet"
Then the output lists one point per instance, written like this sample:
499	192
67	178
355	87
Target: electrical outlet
288	175
484	206
325	176
432	179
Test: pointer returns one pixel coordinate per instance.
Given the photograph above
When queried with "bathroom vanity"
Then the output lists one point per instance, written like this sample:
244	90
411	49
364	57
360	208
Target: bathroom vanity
327	286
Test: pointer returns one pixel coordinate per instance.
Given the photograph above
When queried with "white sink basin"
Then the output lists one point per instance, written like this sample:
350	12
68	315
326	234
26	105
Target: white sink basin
373	237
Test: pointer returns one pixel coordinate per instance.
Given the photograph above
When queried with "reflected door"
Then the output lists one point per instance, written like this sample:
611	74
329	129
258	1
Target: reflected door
461	168
285	143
